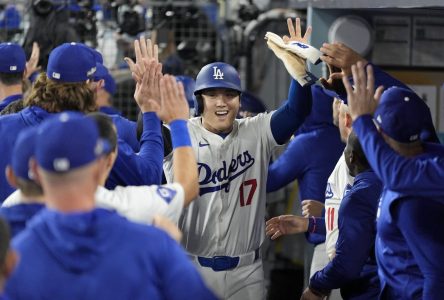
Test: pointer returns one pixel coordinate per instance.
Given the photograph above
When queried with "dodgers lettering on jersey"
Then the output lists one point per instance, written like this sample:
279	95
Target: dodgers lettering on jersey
338	184
228	216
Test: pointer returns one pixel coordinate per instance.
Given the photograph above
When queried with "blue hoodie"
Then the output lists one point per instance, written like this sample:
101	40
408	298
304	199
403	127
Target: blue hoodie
18	215
311	156
100	255
144	168
409	244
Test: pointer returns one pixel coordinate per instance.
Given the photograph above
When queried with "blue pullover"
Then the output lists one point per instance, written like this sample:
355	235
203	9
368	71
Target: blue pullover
18	215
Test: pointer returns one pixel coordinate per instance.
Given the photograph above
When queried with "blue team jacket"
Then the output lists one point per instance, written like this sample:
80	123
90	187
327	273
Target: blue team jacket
409	244
354	269
100	255
18	215
311	156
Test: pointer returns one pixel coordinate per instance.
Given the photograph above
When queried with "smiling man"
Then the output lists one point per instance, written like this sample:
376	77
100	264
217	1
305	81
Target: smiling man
224	227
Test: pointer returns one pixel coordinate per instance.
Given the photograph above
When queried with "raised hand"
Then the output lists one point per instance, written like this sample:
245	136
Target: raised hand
32	63
145	50
312	208
363	99
173	104
295	32
168	226
285	224
148	89
340	56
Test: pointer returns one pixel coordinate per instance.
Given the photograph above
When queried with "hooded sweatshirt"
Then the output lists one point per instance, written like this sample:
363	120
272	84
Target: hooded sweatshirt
100	255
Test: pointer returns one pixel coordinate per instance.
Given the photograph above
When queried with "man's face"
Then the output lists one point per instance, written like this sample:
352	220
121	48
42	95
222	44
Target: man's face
220	108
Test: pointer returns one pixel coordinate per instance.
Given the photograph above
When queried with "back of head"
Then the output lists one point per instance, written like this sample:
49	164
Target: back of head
106	128
251	103
68	141
216	75
321	111
12	63
402	115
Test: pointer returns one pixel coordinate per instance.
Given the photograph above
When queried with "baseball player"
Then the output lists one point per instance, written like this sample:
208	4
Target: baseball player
106	91
74	250
353	269
312	139
224	228
408	247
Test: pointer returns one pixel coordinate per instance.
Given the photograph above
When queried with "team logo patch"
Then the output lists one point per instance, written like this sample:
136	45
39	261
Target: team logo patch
219	179
218	74
165	193
328	192
300	45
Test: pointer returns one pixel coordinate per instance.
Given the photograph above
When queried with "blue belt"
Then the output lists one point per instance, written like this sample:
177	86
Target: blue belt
223	263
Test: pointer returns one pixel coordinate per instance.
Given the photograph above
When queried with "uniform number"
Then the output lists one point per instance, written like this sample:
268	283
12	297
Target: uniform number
330	218
252	183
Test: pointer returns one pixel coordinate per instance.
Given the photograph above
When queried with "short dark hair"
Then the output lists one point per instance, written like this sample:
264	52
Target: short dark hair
29	188
11	78
356	147
106	128
5	236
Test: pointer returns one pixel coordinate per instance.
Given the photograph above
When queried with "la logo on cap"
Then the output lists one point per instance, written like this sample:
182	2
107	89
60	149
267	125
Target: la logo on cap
217	74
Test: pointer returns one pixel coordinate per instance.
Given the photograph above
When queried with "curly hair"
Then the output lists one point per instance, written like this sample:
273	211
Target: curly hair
55	96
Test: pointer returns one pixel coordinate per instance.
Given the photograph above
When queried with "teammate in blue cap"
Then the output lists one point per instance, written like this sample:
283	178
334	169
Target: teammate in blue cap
224	227
105	91
74	250
408	247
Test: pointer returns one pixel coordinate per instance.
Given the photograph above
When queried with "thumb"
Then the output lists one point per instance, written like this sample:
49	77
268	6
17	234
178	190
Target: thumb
324	83
336	75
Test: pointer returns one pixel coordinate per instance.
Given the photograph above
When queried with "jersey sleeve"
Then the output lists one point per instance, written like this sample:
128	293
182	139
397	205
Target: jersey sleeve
419	176
141	203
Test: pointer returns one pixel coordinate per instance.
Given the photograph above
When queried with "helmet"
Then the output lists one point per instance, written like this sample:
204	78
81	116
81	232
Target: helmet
216	75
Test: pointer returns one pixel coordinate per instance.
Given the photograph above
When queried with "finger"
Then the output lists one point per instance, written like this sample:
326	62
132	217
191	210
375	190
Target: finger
272	221
276	235
286	39
129	62
149	47
143	47
308	33
370	79
337	75
290	28
362	77
348	87
156	52
378	94
329	60
137	51
298	27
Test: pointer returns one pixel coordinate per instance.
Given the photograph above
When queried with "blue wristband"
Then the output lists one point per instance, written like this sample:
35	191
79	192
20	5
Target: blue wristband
179	134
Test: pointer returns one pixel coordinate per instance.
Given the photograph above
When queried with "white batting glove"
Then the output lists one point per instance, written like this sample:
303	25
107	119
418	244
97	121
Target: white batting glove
294	64
301	49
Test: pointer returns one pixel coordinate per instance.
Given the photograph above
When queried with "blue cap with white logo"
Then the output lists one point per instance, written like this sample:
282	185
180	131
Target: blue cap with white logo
402	115
12	58
71	62
68	141
218	75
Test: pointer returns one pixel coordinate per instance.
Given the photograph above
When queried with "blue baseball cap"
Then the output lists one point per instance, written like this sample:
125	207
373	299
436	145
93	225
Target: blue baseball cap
71	62
103	73
331	93
23	150
68	141
12	58
402	115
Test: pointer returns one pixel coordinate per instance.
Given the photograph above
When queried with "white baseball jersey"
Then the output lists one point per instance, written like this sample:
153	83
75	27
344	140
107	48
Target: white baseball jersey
339	182
137	203
228	217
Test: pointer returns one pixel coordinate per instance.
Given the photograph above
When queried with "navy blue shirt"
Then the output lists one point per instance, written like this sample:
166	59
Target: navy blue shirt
409	244
311	156
109	110
8	100
18	215
100	255
353	269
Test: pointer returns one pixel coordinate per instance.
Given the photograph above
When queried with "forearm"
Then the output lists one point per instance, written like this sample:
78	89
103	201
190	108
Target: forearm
184	160
151	149
419	177
287	119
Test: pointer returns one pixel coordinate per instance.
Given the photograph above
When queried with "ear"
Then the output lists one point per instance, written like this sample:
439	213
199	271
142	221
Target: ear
11	261
348	121
35	173
10	176
100	84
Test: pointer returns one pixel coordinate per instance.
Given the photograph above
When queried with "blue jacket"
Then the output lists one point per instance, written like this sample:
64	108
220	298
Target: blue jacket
18	215
409	244
109	110
100	255
8	100
145	167
354	269
127	131
311	156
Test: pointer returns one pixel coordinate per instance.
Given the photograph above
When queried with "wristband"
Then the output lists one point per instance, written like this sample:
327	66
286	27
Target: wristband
180	136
